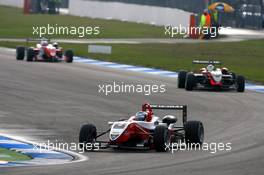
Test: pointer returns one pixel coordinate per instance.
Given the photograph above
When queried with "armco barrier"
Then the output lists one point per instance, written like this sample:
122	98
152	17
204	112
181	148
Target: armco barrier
130	12
13	3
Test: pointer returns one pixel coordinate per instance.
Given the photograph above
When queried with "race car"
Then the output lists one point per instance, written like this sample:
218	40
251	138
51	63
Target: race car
146	131
210	77
44	52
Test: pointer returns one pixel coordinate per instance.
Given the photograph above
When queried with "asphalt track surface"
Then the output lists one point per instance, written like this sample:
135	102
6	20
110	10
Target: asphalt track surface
41	101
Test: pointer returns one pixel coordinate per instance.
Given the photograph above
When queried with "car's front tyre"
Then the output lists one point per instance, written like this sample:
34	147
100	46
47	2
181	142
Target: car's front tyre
88	133
182	79
20	53
240	83
30	54
160	138
69	56
194	132
190	82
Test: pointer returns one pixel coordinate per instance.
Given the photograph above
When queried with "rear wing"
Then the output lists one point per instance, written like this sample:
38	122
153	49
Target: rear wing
36	39
182	108
206	62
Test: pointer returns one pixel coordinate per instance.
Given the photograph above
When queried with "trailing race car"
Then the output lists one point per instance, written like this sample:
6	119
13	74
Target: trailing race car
146	131
44	52
211	78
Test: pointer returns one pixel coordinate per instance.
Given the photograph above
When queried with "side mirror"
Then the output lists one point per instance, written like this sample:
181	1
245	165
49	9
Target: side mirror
169	119
110	123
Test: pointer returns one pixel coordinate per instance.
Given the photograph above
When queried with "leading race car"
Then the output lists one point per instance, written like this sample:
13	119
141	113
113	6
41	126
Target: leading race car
211	78
144	130
44	52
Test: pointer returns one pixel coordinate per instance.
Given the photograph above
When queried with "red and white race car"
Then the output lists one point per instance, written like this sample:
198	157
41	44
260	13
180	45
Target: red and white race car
44	52
144	130
210	77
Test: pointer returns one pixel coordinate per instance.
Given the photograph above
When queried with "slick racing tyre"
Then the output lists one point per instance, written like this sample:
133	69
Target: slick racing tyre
194	132
233	76
30	54
68	56
240	83
20	53
181	79
160	138
190	82
87	134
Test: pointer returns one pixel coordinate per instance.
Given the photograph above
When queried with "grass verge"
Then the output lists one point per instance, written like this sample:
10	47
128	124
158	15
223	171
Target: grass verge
14	24
10	156
246	57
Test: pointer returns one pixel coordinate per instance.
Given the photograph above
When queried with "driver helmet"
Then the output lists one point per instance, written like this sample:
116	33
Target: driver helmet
141	116
56	45
210	67
44	43
205	12
224	70
203	70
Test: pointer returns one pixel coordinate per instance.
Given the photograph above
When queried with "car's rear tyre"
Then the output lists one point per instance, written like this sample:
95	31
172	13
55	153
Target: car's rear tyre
20	53
87	134
182	79
68	56
190	82
240	83
233	76
194	132
160	138
30	54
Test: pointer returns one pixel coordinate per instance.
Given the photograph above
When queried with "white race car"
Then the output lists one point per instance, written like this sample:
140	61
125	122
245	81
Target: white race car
210	77
146	131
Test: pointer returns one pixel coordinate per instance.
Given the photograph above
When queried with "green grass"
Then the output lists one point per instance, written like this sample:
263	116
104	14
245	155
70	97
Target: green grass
14	24
9	156
246	57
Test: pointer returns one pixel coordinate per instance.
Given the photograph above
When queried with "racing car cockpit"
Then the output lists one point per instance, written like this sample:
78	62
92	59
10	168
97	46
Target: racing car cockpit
44	43
141	116
210	68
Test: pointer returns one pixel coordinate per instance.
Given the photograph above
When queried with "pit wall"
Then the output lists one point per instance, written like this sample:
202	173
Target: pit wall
130	12
13	3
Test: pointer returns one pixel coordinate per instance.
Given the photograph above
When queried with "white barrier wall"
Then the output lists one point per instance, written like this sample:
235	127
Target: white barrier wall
13	3
130	12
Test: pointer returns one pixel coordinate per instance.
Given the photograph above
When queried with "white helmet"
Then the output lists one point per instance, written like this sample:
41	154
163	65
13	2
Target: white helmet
44	43
210	68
